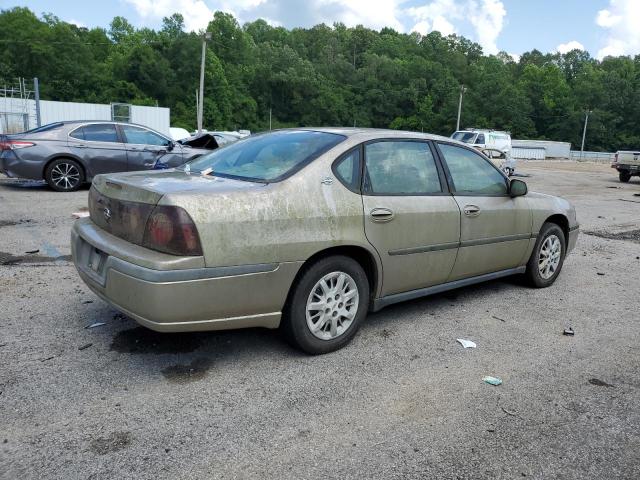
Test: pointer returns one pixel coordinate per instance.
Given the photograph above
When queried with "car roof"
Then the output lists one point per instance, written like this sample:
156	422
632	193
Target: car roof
374	133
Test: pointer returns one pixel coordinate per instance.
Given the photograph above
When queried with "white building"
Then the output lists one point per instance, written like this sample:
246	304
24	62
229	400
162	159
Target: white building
540	149
17	114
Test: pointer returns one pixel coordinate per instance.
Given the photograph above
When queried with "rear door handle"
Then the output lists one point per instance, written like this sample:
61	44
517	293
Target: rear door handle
471	210
381	215
78	145
149	164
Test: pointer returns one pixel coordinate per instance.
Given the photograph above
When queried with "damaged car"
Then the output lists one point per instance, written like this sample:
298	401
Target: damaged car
68	154
308	230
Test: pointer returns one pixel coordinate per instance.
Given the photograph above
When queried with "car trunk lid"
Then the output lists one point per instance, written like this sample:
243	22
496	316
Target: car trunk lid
122	203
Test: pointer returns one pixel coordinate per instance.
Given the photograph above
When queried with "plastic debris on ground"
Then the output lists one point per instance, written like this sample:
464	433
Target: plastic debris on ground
569	332
466	343
94	325
80	214
492	380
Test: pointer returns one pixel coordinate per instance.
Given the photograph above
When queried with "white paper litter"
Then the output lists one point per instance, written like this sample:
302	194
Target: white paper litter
466	343
80	214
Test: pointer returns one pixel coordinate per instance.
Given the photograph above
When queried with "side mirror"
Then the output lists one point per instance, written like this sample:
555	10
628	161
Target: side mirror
170	145
517	188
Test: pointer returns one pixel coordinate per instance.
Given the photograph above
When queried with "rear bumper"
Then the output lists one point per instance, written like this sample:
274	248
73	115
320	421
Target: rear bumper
14	167
626	167
181	299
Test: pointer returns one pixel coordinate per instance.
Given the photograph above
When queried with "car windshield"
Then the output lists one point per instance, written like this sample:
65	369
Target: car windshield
466	137
267	157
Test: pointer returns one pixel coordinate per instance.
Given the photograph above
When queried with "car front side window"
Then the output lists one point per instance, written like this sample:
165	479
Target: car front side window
142	136
400	167
471	173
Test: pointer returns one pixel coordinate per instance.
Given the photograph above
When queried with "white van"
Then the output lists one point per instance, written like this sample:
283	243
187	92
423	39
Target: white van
481	139
493	143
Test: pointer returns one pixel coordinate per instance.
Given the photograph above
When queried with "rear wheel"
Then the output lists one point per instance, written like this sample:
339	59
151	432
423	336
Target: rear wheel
64	175
327	305
624	176
547	258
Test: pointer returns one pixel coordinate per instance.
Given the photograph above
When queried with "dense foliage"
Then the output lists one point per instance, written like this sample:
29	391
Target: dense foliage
326	76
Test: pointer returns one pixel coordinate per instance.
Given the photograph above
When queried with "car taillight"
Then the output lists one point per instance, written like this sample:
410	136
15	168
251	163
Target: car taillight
14	144
171	230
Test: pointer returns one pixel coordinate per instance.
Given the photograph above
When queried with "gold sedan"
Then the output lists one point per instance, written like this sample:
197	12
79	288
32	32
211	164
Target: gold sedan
307	230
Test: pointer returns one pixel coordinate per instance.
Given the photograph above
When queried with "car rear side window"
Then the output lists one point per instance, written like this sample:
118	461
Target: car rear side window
347	169
142	136
98	132
400	168
471	173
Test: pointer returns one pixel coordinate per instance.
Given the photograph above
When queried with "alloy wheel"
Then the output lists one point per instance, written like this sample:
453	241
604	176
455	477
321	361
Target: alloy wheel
332	305
549	258
65	176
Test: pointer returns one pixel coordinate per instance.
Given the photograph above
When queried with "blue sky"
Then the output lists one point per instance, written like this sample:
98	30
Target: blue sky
600	26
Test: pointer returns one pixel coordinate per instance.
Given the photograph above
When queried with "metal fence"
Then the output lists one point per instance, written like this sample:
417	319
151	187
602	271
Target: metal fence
601	157
13	122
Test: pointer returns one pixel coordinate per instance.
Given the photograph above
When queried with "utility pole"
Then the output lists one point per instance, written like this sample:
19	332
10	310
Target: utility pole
206	36
584	132
36	88
269	118
462	90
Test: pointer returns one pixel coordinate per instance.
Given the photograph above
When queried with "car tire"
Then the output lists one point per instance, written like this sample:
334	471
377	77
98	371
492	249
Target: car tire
547	258
64	175
323	317
624	176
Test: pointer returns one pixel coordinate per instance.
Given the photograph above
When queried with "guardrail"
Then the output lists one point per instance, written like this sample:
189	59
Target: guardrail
600	157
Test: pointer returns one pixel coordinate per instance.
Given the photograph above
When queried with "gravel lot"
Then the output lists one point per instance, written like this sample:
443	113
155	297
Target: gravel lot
404	400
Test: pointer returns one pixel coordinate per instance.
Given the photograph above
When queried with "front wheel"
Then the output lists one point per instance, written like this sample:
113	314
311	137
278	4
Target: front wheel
64	175
327	305
624	176
547	258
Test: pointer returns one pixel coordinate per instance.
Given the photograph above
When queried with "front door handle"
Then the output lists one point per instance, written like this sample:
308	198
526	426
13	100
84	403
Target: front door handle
78	145
381	215
471	210
149	164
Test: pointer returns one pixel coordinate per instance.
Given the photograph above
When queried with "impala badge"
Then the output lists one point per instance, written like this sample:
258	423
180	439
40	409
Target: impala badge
327	181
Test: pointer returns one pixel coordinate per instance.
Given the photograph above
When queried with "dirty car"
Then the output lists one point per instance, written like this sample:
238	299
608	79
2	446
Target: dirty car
308	230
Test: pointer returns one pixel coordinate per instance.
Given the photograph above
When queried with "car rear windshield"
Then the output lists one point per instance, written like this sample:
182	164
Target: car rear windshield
268	157
466	137
44	128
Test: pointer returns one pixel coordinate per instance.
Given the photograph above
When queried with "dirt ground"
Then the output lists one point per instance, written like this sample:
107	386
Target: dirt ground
403	400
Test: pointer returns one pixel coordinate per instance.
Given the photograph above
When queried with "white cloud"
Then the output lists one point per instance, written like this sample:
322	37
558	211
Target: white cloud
515	56
485	17
620	19
436	15
439	24
488	20
569	46
606	20
372	13
77	23
196	12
